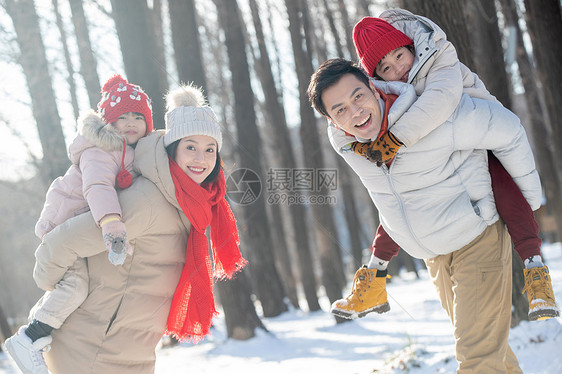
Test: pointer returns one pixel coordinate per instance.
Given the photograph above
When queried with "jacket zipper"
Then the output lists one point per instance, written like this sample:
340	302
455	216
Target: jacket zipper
386	171
112	319
420	65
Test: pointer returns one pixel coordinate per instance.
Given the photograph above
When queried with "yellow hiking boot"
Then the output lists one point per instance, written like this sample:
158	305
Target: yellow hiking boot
368	295
539	292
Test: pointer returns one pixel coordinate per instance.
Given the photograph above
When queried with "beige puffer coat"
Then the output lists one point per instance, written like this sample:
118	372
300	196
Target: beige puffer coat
124	316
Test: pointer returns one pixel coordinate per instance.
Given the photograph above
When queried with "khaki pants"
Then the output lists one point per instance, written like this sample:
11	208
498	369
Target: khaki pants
474	285
69	293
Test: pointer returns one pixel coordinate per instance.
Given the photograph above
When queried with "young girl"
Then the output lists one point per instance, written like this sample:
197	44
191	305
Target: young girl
102	156
401	46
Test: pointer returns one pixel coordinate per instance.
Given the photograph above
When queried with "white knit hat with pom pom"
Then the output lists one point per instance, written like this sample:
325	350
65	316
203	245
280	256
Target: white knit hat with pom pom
188	114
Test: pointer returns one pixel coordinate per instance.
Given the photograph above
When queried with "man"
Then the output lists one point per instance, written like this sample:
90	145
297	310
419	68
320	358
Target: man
435	200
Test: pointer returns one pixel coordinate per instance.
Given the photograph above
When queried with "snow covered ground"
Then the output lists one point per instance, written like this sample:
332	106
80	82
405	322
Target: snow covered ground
414	337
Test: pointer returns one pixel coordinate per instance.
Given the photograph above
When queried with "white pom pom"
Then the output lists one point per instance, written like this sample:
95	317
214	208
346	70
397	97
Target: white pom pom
185	95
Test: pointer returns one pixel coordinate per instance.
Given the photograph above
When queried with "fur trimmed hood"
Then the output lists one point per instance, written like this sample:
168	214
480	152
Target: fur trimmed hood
94	132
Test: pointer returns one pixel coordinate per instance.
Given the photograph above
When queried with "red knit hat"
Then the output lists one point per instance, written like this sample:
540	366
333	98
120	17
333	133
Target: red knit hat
374	38
119	96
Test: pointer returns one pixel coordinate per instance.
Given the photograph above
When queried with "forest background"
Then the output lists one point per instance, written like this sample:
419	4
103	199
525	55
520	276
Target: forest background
305	220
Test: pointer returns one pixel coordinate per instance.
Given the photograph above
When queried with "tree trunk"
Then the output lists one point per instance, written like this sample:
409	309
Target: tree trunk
5	330
88	63
451	17
350	211
276	117
185	37
545	29
333	29
265	278
330	257
280	244
351	216
362	7
155	19
489	57
139	47
241	319
68	61
487	48
276	53
239	311
282	255
35	68
519	301
348	30
402	260
539	126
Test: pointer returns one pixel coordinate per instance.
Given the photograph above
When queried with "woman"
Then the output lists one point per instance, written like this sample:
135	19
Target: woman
166	285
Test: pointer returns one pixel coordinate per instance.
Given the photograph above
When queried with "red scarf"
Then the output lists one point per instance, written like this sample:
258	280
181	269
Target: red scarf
193	306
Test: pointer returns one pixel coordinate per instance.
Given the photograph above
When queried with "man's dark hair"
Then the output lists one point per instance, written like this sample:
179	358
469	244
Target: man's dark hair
328	74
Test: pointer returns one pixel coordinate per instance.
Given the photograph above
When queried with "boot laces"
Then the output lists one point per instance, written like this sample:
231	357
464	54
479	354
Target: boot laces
536	285
360	283
37	355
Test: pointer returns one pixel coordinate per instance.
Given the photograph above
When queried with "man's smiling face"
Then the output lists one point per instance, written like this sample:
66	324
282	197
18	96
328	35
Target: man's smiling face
353	107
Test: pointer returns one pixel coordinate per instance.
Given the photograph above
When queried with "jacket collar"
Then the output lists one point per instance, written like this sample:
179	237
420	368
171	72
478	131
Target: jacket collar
151	161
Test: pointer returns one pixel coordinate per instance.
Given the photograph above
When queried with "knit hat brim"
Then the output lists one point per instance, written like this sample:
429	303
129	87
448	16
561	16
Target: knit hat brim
378	49
374	38
187	121
120	96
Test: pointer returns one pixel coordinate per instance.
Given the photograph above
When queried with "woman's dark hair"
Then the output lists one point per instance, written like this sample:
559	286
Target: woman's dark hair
172	149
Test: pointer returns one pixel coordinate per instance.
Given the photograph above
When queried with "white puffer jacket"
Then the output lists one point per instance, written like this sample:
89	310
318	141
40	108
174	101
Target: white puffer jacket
437	75
436	197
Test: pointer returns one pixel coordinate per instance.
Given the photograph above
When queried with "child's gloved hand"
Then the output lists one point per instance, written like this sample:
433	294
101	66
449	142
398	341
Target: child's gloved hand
115	239
379	151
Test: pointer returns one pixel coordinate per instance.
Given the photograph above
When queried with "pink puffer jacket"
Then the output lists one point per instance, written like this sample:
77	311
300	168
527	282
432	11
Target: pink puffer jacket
89	183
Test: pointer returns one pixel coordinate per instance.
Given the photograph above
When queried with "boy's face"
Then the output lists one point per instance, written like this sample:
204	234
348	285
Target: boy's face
353	107
132	126
396	65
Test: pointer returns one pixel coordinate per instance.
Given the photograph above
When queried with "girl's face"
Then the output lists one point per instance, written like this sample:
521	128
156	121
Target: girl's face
196	155
132	126
396	65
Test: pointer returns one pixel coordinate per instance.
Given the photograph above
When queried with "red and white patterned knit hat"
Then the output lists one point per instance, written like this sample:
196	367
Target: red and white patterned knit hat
119	96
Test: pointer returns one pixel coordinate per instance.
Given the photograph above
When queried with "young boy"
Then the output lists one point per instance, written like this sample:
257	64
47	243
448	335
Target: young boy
435	200
401	46
102	157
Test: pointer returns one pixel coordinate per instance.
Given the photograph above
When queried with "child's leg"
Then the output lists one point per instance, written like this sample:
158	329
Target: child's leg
524	231
27	346
515	211
55	306
369	284
384	248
